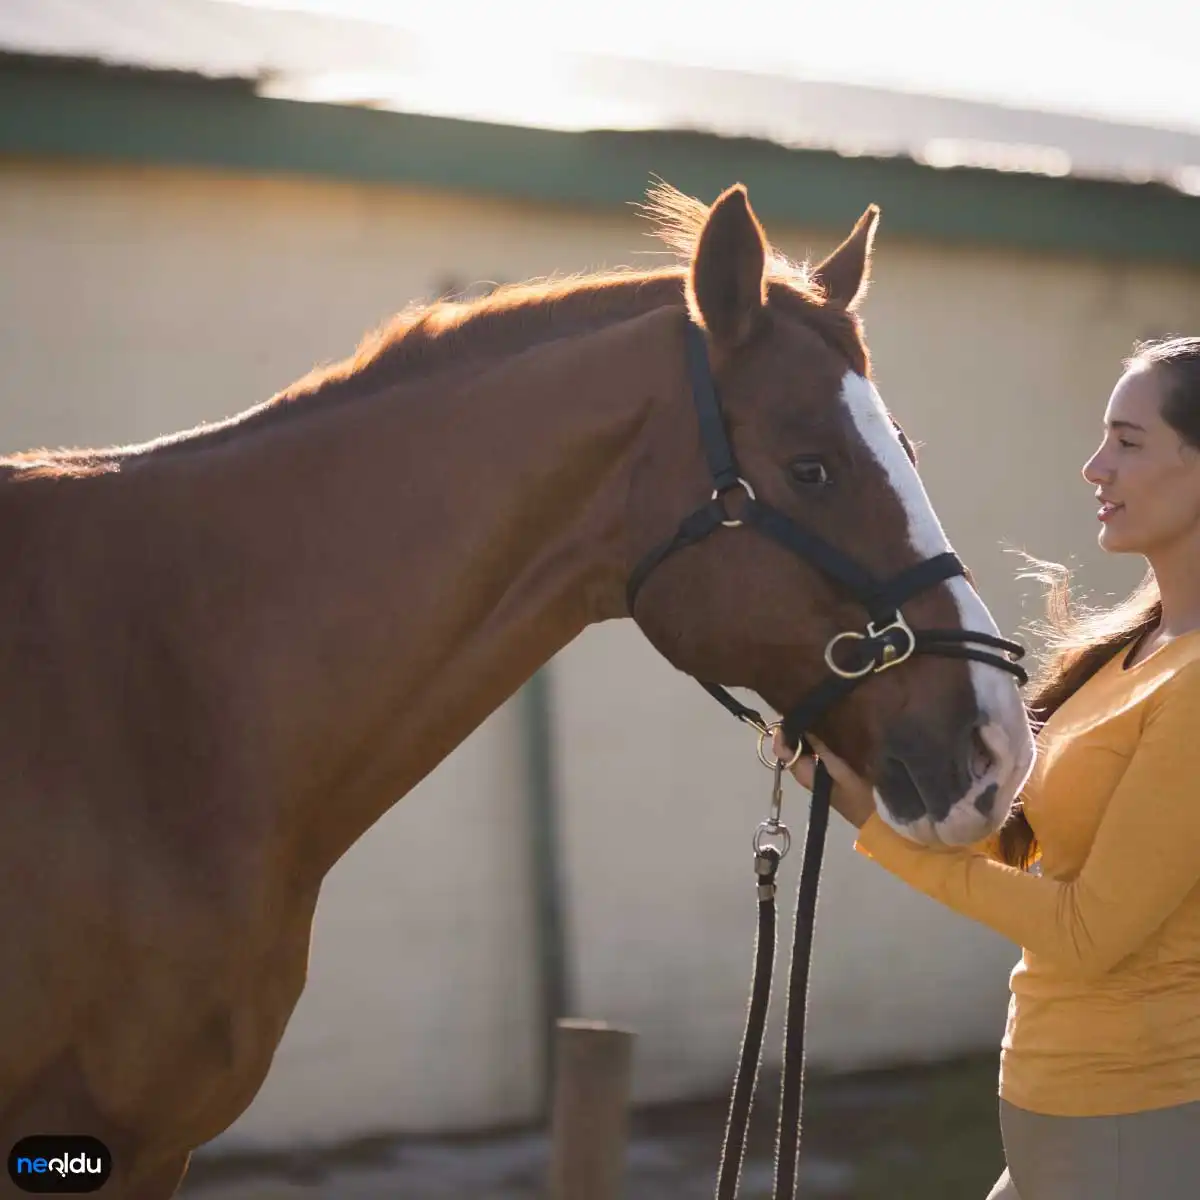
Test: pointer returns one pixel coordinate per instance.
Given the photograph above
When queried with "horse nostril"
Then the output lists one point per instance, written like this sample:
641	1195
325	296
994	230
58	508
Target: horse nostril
903	795
986	800
982	760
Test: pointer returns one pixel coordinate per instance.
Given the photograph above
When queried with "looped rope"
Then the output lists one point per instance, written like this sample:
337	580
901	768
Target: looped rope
733	1150
750	1059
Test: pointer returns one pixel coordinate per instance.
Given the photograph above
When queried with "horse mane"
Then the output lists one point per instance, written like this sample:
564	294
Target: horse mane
679	219
427	337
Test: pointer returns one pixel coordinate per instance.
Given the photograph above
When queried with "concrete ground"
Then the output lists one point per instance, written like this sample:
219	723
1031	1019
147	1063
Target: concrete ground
927	1132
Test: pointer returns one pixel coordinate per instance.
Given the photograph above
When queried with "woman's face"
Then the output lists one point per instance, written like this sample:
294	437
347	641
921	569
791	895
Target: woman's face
1147	478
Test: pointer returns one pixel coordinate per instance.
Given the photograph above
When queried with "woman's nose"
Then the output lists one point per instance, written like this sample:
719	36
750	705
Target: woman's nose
1095	470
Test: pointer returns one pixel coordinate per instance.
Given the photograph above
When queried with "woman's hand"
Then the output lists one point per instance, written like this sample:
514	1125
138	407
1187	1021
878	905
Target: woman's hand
853	796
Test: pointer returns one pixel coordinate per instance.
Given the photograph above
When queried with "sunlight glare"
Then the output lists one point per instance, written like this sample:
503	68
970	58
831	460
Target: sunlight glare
1095	57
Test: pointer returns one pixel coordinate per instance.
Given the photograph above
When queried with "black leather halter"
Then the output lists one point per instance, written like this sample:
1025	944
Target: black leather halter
852	657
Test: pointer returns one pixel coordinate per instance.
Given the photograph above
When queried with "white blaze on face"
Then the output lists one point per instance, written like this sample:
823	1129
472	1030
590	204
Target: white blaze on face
1007	730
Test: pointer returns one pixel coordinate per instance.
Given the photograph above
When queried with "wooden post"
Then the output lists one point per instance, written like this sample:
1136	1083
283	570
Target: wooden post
592	1072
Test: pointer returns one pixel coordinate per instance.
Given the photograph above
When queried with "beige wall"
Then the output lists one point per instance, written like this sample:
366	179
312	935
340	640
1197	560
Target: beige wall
134	303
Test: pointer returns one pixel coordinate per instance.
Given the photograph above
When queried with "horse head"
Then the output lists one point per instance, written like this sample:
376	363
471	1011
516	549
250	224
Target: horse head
945	740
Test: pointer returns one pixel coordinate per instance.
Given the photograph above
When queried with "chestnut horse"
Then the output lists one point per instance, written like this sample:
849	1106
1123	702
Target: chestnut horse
227	653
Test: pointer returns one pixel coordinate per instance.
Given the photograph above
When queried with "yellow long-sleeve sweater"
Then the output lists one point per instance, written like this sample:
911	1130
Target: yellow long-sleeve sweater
1104	1015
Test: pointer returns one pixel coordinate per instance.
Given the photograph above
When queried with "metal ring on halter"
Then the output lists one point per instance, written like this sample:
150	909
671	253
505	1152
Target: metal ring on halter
889	657
733	524
773	829
850	635
769	763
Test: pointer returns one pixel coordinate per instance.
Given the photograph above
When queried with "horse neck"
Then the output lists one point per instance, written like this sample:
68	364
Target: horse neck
404	562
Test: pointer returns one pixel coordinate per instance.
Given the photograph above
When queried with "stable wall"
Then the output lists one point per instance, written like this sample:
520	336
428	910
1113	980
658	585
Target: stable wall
135	302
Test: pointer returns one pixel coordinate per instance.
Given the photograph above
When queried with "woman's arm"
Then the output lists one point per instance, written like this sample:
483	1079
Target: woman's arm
1144	860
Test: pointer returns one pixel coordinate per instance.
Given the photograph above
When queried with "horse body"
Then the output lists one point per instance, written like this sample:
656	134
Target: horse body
218	697
231	652
153	948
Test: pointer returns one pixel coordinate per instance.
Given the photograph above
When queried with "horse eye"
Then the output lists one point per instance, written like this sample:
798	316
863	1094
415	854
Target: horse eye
808	471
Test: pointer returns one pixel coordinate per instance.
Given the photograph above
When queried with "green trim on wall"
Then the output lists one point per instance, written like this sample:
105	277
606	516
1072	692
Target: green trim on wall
56	109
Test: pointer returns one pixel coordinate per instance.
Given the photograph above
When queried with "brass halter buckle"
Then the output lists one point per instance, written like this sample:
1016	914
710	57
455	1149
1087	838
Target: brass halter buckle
889	657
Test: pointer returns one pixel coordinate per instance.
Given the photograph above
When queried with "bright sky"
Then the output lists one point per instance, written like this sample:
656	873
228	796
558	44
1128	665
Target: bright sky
1135	62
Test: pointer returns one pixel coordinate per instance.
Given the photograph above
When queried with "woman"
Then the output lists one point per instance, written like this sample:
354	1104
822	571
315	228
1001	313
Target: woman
1100	1062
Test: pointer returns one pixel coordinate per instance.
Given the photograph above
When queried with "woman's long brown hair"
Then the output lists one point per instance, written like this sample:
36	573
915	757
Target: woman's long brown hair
1080	641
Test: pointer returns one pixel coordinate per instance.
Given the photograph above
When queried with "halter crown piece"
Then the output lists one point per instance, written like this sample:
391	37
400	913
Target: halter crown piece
852	657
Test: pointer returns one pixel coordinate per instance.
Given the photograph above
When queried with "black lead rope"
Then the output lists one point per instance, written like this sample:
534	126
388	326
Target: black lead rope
787	1155
791	1104
733	1151
852	658
766	866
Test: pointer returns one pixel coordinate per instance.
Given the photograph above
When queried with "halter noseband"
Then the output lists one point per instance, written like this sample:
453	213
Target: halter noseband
852	657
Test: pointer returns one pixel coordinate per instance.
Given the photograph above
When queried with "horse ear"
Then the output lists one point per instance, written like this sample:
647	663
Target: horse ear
845	274
727	284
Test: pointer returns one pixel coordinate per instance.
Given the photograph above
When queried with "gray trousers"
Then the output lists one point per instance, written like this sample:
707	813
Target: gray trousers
1152	1155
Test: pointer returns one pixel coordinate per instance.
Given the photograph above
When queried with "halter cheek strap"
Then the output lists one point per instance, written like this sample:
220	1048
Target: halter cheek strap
851	656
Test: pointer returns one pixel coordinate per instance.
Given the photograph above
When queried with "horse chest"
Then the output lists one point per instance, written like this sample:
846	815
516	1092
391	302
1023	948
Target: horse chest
191	1039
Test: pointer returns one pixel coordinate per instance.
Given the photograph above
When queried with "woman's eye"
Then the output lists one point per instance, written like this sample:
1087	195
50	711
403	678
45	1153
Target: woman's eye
1127	445
809	471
